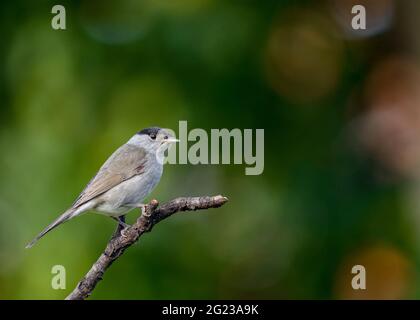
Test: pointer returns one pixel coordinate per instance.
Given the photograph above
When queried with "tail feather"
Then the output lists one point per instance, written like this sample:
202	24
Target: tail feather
61	219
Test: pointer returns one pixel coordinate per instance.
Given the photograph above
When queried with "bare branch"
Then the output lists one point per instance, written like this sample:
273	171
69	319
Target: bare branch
122	239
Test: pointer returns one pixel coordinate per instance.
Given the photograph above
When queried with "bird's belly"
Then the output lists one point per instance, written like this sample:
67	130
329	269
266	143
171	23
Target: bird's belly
127	195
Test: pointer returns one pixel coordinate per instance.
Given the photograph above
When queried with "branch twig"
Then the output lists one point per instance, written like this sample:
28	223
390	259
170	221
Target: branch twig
121	240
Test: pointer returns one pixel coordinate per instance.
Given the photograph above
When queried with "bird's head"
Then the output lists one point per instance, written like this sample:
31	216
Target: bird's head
154	139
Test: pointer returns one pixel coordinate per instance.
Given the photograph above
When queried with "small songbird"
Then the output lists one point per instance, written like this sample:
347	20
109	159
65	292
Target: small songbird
124	180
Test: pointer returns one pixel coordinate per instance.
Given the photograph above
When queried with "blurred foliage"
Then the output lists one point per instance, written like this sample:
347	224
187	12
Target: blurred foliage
327	200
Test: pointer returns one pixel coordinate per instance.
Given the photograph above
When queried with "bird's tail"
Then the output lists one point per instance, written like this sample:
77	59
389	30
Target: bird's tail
61	219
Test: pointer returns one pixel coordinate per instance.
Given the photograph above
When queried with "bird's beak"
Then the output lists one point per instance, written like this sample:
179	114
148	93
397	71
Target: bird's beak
172	140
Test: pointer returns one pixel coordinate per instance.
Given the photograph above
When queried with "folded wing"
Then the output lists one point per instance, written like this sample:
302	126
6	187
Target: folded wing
126	162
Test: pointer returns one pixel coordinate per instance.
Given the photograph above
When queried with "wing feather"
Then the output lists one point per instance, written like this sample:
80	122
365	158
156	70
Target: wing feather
126	162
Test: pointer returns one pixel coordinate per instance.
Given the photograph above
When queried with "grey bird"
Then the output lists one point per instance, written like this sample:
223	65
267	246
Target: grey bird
124	180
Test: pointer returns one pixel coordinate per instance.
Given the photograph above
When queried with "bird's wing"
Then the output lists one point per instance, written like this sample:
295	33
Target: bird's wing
125	163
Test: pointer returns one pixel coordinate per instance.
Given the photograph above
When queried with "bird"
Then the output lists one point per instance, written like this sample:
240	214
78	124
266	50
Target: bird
126	178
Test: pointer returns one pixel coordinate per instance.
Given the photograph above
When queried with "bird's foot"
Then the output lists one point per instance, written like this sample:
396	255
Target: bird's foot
121	222
142	207
123	232
124	225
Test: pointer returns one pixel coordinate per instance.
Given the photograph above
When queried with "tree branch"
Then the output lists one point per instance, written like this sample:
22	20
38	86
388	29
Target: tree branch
122	239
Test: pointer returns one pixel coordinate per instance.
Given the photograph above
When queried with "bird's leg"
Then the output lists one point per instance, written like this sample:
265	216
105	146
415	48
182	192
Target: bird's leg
121	227
121	221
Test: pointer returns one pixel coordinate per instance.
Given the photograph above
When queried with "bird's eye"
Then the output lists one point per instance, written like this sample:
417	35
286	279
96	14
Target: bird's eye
165	137
153	136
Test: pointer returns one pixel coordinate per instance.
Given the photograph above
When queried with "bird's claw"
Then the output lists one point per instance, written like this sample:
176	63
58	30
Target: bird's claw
124	232
124	225
142	208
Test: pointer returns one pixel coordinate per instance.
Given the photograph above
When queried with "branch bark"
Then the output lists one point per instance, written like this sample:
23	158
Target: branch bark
122	239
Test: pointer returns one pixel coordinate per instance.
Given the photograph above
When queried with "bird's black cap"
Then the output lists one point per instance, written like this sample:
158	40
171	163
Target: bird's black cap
151	132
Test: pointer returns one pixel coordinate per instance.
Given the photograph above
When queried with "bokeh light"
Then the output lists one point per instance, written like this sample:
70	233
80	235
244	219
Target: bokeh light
181	8
390	127
117	22
304	54
389	274
379	16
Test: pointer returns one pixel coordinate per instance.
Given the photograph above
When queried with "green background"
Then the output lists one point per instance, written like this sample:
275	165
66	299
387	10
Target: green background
338	189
